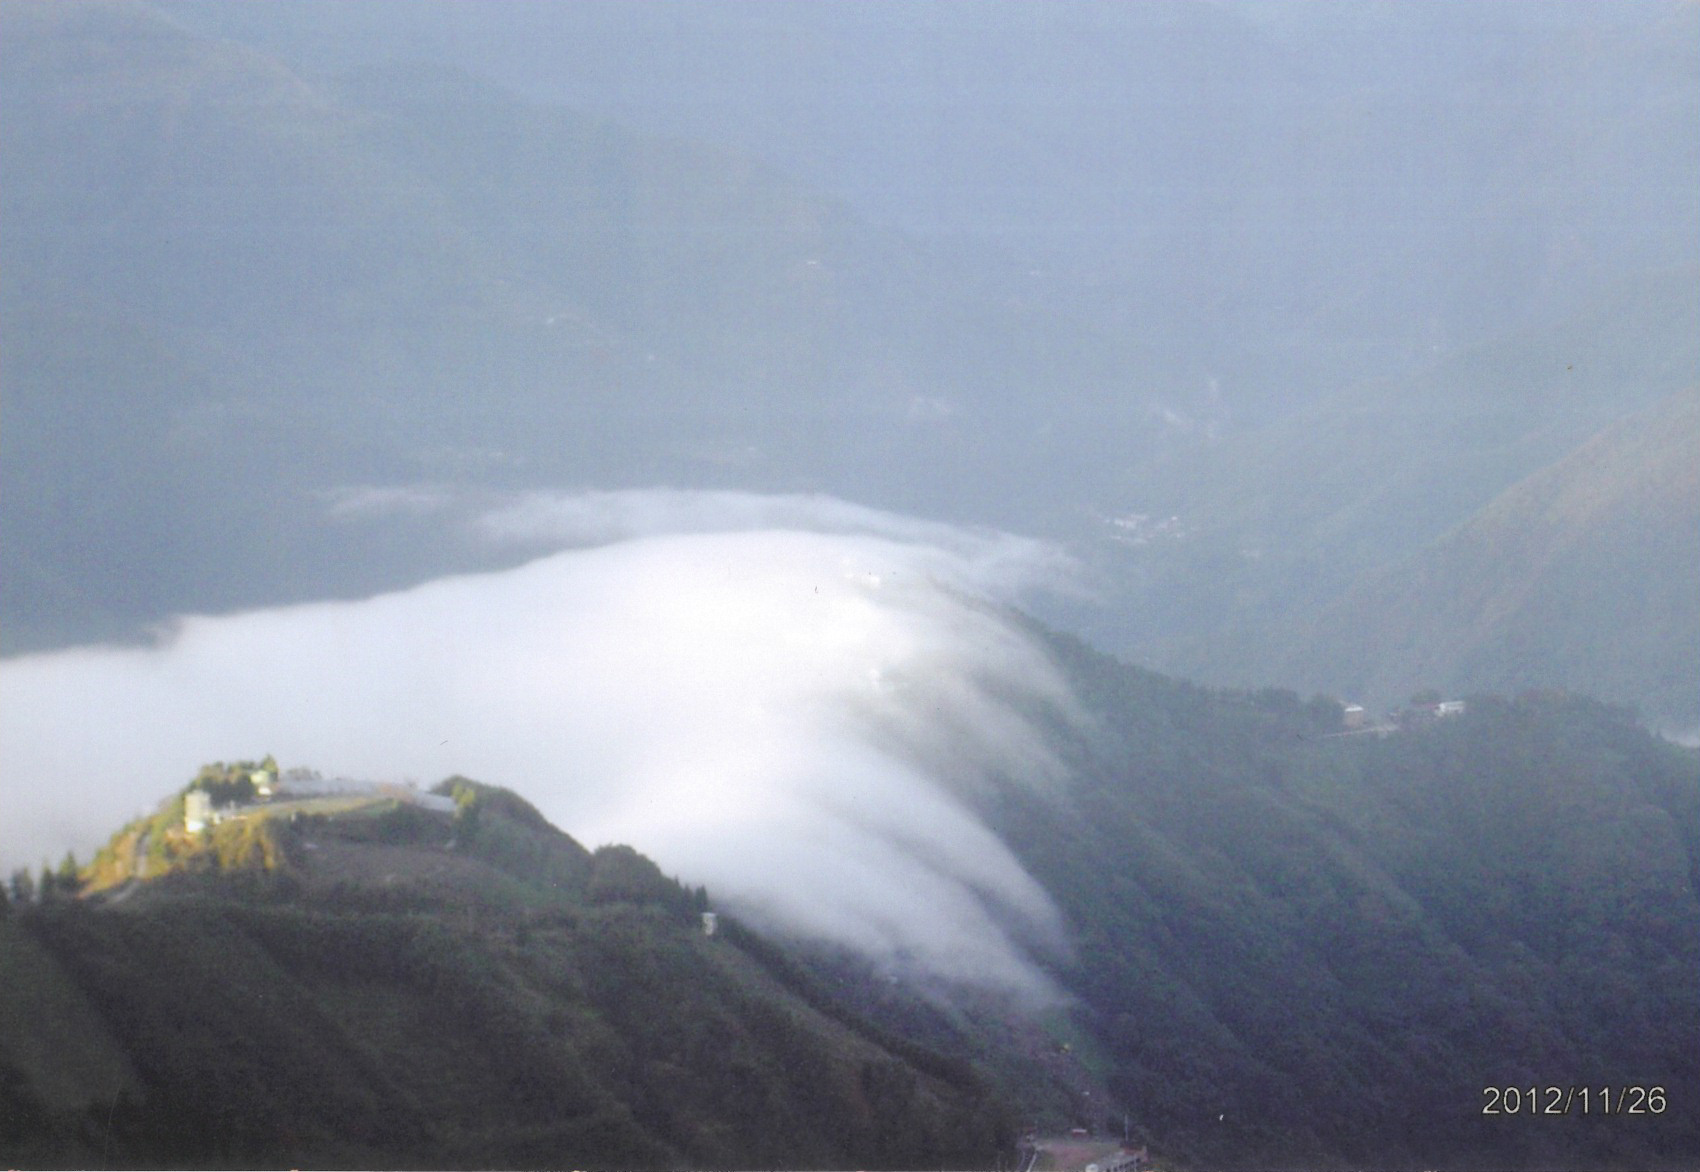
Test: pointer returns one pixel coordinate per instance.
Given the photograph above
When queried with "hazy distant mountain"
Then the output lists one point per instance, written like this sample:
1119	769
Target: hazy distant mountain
1273	192
1580	576
411	276
1244	303
1276	525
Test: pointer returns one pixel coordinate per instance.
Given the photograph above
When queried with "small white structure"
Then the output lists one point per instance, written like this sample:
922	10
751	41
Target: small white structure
1353	716
1449	708
197	811
710	922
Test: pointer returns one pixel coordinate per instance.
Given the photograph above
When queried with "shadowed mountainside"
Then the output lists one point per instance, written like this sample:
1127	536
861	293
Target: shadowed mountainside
1293	946
1304	947
389	987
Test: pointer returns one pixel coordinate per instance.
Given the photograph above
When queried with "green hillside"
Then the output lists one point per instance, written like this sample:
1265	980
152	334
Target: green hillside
1279	524
1300	947
1581	576
392	987
1293	945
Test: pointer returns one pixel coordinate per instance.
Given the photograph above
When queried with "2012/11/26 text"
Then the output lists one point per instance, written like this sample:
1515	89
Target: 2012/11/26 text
1579	1100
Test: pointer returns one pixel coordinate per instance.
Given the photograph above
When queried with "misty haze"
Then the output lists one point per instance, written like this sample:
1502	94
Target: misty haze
1028	585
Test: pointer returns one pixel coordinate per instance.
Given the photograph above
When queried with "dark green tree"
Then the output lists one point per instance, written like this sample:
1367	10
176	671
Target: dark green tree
68	878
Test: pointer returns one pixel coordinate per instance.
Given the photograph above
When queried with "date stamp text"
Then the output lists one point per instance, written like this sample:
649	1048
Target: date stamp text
1574	1100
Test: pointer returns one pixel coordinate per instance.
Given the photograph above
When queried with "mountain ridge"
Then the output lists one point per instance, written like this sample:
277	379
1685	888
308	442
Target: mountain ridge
253	285
1506	598
1294	944
1279	526
388	986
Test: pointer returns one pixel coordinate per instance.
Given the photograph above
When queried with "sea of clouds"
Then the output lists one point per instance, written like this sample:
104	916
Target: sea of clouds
793	700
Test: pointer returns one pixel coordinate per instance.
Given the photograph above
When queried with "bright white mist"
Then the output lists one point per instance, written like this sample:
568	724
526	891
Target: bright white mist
798	720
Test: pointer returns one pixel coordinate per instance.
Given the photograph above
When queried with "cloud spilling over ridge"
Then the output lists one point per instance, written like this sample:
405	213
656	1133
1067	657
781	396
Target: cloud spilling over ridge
1004	565
799	719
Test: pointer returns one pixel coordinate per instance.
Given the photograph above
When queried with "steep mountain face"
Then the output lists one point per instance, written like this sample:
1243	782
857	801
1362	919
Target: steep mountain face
1292	946
1283	534
400	990
1299	947
1580	576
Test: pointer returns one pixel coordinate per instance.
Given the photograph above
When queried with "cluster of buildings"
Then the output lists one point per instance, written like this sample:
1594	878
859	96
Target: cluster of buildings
249	788
1419	713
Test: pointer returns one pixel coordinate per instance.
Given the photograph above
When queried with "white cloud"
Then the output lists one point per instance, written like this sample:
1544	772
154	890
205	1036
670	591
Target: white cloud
798	719
379	501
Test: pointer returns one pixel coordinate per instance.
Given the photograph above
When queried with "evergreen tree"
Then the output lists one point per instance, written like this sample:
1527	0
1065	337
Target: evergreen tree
23	887
68	879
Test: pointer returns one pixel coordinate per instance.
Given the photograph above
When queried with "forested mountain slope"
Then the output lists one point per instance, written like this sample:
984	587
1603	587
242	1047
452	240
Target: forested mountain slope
1290	945
1581	575
1284	534
1302	948
370	995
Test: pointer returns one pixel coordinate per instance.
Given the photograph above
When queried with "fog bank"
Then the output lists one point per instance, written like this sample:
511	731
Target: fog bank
797	719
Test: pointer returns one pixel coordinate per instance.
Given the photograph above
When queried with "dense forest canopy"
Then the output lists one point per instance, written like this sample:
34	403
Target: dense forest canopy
1290	945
